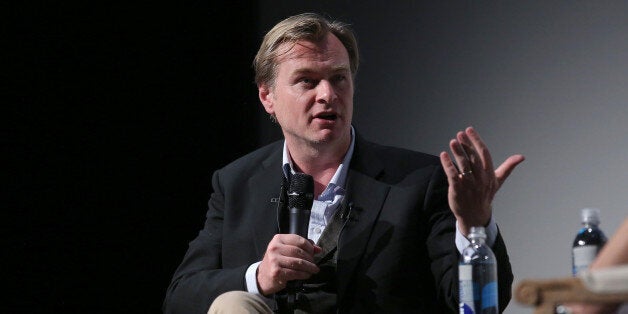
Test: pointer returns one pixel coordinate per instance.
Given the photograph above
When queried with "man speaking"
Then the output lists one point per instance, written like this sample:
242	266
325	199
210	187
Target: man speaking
386	224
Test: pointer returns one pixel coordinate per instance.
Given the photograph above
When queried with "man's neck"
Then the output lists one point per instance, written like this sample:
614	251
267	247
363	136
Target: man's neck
318	160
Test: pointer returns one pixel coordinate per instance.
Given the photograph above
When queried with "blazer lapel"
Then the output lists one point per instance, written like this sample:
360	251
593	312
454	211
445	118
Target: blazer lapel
367	196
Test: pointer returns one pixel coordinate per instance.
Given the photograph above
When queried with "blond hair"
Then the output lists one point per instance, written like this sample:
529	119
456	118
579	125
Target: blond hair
306	26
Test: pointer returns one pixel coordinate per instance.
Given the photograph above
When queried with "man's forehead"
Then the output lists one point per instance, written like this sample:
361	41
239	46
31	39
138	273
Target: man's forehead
325	49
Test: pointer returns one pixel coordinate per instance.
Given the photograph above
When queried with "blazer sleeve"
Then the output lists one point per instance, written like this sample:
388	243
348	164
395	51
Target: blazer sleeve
444	255
200	278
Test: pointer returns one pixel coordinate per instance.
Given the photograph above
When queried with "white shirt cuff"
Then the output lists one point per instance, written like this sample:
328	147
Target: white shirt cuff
251	279
491	234
251	285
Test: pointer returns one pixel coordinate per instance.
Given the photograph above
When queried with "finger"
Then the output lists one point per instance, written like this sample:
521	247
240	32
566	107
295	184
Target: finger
295	269
448	165
307	246
460	156
296	252
297	265
283	268
480	148
295	246
298	241
472	157
506	168
317	249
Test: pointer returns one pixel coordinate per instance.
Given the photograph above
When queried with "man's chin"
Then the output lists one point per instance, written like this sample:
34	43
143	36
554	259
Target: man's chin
326	137
321	141
319	137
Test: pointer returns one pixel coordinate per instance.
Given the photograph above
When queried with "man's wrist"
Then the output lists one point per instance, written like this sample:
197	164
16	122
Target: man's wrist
491	235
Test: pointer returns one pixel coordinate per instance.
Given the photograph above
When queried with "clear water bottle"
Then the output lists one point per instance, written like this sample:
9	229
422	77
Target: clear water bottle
589	240
477	276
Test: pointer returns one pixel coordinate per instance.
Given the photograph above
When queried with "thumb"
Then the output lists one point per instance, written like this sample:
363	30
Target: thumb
317	249
505	169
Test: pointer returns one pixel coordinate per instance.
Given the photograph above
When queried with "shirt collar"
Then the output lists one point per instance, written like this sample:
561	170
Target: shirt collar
340	177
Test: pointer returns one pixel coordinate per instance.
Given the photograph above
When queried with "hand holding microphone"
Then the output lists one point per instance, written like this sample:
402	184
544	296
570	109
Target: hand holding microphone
290	257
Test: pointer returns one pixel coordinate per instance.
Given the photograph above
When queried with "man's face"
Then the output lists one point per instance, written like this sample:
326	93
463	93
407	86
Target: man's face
312	96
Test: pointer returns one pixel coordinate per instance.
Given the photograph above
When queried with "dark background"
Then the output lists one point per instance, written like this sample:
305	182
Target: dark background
118	115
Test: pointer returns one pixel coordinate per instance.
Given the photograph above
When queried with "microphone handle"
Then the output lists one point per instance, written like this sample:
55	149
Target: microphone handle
299	221
298	224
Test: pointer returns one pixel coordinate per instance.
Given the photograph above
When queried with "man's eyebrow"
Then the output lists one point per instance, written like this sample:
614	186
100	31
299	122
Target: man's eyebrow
335	69
341	68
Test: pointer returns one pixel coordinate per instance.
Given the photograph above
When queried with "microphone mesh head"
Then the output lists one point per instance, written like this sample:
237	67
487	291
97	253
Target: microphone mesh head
301	191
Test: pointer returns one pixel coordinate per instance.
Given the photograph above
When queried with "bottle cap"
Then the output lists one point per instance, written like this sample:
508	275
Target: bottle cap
591	216
477	232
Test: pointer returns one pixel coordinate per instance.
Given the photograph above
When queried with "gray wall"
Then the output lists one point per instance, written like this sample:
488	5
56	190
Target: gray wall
548	80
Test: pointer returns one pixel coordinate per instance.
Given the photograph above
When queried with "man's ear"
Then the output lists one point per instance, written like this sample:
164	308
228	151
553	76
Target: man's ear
267	97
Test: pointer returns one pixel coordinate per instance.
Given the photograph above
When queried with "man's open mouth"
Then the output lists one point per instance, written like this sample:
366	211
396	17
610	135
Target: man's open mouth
327	116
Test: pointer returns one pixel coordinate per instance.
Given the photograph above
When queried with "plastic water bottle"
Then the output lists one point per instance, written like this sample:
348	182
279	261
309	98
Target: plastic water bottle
477	276
589	240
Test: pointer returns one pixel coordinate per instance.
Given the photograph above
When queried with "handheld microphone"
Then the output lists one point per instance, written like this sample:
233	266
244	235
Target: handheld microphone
300	200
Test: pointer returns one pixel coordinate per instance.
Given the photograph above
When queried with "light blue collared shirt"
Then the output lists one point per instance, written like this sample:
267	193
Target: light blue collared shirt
326	204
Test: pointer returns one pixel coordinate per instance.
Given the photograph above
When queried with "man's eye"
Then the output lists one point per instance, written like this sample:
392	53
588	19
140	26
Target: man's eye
339	78
307	81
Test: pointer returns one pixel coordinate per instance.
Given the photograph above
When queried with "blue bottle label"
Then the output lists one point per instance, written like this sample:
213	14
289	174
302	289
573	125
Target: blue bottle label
466	309
489	295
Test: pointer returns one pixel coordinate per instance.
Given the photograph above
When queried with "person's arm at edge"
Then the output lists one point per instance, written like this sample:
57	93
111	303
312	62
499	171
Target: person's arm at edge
615	252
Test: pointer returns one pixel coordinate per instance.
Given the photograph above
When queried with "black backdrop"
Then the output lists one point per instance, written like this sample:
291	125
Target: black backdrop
118	114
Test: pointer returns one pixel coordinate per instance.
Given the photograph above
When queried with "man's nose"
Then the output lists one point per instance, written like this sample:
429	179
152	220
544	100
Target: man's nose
325	92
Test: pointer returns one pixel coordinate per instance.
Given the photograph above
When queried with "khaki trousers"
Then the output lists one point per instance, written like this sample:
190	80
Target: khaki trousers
239	302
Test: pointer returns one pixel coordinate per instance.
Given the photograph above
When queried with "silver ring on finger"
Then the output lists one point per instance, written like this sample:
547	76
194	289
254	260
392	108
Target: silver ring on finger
466	173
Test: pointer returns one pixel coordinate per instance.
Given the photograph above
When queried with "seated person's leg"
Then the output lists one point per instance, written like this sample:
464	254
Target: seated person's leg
238	302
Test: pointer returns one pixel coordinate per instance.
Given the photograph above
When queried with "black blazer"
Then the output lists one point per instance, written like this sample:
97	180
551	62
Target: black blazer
395	254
